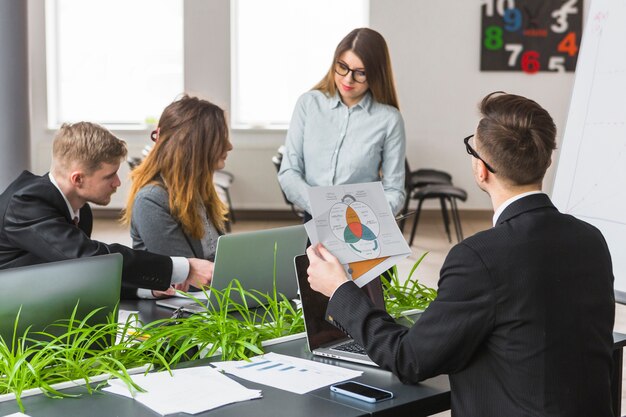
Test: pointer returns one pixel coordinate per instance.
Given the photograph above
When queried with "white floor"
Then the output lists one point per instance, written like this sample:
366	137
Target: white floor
431	238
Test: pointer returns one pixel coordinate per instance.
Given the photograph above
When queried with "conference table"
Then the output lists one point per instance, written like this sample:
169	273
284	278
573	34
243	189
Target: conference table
429	397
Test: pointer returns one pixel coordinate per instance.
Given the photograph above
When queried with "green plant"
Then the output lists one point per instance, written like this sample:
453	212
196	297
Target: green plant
280	317
68	350
406	295
225	326
74	349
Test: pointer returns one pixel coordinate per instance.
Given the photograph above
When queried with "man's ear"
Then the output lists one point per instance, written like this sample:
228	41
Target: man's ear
482	173
76	178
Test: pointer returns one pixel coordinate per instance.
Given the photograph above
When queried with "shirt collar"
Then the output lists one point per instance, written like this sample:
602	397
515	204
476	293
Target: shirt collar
74	214
510	201
365	103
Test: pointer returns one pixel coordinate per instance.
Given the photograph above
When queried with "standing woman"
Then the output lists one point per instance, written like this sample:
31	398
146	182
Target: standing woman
348	129
173	208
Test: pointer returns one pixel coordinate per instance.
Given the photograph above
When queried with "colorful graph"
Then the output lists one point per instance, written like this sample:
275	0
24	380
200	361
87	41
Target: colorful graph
355	223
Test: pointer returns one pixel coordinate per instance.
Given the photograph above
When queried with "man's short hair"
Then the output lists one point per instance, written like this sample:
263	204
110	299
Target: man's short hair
516	137
88	144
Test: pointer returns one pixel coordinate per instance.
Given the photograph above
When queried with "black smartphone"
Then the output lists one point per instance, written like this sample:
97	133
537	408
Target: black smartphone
361	391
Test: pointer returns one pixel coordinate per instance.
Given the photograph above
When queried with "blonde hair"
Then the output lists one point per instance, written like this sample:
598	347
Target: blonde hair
193	136
88	144
371	48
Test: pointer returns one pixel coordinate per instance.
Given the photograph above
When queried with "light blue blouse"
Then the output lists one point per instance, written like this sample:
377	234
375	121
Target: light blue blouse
330	144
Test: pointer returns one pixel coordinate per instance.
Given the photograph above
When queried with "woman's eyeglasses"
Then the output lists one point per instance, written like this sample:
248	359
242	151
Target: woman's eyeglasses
343	70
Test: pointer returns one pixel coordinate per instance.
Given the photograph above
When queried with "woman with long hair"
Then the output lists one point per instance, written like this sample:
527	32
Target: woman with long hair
348	128
173	208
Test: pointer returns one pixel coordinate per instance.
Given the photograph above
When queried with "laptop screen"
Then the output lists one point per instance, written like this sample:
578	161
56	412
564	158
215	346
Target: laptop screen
258	259
319	331
49	292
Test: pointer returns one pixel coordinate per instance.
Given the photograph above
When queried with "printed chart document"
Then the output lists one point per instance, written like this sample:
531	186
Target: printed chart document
287	373
189	390
354	222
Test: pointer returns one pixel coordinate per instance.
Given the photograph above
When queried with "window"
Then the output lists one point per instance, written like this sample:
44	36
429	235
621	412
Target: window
282	48
114	62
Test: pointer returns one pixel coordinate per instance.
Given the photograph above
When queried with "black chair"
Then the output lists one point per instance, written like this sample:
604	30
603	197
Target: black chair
414	180
277	160
424	184
442	192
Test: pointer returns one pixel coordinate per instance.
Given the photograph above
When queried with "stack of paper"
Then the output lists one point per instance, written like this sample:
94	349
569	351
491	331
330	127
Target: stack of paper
190	390
288	373
354	222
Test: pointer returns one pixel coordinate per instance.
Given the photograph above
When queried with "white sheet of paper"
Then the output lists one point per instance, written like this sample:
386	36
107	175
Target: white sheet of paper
287	373
354	222
189	390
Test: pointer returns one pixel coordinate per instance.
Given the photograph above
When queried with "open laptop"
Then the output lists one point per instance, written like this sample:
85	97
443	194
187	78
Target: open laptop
323	338
249	258
50	291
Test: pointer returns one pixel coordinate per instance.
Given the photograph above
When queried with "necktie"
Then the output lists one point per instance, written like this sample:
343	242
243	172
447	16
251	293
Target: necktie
75	221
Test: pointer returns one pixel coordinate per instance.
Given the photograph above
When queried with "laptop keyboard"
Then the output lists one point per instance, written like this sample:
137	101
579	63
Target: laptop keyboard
352	347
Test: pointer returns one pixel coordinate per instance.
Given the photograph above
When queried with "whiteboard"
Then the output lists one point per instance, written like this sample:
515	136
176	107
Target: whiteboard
590	181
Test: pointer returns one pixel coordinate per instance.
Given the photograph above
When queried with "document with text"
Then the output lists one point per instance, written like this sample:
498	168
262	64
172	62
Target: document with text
355	223
287	372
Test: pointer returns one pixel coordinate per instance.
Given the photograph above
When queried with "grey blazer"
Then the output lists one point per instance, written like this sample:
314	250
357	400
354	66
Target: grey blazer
153	228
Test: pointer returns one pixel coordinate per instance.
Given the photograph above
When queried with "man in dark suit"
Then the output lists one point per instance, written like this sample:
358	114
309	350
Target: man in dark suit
48	218
523	319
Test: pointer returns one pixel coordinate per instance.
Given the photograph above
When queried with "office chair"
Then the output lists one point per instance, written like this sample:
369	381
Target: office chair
414	180
442	192
277	160
424	184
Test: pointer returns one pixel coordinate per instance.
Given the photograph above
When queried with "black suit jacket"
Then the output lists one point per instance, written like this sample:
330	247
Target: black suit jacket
522	322
37	227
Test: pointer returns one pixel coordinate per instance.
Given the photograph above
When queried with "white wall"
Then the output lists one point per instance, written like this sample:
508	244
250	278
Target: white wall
435	53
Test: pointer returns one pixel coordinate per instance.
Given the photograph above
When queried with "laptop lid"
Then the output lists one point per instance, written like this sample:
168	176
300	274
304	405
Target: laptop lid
249	258
49	292
320	333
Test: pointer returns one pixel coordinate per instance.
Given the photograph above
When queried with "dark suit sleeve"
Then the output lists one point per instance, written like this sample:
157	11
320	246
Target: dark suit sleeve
36	226
445	337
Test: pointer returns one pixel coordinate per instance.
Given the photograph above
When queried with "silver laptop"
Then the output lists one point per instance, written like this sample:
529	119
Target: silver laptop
249	258
50	291
323	338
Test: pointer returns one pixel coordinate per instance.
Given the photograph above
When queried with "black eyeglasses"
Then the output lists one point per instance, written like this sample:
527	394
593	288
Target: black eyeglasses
473	152
343	70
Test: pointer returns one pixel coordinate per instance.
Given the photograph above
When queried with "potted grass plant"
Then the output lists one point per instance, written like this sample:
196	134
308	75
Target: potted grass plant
68	353
73	352
406	298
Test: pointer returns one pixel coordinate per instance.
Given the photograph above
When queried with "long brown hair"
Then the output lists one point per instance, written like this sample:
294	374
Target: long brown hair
371	48
193	135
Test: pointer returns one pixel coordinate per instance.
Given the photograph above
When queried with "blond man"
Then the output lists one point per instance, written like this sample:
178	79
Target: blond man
48	218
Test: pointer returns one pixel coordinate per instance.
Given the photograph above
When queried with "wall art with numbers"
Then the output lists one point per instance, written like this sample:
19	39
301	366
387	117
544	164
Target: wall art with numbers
530	35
